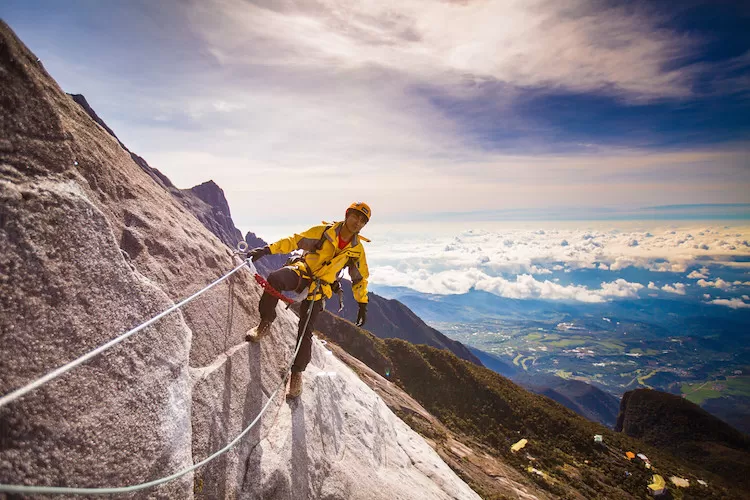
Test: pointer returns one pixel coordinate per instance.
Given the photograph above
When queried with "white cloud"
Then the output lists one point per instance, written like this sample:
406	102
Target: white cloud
696	275
678	288
482	258
620	288
733	303
719	283
526	287
531	43
347	93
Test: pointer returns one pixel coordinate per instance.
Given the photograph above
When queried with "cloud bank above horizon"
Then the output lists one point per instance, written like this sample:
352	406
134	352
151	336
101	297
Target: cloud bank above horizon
596	264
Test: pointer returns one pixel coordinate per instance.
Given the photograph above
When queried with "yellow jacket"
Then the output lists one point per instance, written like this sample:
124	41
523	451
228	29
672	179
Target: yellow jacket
326	262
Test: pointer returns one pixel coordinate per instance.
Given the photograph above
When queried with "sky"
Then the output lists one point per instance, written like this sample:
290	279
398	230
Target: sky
426	110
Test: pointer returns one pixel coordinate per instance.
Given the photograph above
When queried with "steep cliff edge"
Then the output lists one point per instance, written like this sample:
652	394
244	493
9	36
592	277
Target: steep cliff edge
91	245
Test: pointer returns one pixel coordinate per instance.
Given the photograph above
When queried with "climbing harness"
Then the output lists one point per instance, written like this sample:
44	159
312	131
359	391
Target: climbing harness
61	490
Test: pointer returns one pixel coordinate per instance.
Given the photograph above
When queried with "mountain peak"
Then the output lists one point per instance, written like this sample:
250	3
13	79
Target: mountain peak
212	194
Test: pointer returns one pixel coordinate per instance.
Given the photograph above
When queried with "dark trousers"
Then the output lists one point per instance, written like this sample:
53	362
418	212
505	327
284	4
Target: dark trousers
286	279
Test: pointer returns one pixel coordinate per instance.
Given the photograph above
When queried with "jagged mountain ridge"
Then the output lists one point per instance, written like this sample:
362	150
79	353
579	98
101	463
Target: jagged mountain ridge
91	245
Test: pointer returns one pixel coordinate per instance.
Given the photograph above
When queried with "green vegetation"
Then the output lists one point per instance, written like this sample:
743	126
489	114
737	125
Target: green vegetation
477	402
622	354
570	342
642	379
699	392
495	413
689	432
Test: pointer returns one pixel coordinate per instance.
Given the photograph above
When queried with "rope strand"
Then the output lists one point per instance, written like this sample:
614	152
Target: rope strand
8	398
13	488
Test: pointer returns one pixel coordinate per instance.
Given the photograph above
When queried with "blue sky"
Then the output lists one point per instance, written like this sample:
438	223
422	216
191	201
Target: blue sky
419	108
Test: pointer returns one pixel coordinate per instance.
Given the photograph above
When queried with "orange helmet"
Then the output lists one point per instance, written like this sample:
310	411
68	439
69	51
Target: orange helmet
362	207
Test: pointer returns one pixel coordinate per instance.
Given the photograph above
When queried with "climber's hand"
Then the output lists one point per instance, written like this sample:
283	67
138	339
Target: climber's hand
257	253
362	314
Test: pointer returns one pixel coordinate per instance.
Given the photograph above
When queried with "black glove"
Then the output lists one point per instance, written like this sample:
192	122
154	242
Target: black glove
362	314
336	287
257	253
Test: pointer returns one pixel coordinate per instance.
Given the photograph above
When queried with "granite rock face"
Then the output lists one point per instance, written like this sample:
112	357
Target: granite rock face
91	245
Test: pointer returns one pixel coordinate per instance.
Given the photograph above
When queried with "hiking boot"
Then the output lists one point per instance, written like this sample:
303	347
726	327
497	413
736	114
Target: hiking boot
260	331
295	385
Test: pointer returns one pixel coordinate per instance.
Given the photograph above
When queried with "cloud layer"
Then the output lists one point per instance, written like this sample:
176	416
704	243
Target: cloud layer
546	263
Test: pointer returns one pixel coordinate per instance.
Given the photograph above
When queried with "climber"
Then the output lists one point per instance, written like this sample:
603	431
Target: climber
327	250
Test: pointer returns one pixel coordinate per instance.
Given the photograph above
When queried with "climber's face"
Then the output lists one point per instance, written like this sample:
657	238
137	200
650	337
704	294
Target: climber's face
355	220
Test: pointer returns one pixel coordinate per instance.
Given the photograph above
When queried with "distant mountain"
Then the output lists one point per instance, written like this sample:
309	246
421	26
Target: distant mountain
687	431
388	318
471	306
585	399
496	364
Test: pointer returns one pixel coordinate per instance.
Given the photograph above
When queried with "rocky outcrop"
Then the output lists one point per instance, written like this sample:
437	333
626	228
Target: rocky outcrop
219	220
91	245
66	292
207	202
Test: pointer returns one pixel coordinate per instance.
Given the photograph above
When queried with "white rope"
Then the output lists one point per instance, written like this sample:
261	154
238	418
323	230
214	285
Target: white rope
8	398
17	488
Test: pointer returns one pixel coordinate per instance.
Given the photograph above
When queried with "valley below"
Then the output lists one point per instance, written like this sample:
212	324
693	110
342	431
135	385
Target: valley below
699	352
